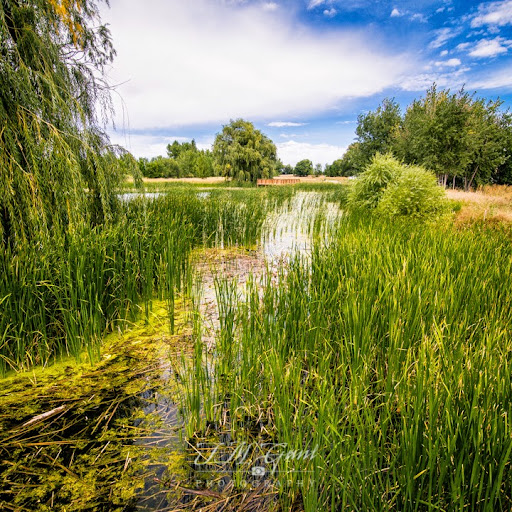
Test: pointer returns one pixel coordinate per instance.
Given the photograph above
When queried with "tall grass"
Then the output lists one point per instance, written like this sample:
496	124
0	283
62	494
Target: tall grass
61	297
389	351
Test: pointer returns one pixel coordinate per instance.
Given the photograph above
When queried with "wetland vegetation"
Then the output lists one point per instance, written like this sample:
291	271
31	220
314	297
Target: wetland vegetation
221	347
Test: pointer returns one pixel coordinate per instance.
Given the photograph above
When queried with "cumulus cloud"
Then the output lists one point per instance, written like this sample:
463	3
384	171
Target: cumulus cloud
330	13
494	13
450	63
281	124
291	152
490	47
198	62
395	13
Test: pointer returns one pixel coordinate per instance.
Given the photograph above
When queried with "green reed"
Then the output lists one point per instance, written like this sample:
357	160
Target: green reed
388	352
61	296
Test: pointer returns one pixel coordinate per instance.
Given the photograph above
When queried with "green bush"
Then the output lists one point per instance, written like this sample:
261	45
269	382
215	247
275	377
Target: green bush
415	193
371	184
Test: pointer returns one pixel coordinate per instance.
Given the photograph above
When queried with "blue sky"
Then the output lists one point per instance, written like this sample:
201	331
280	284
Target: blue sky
301	71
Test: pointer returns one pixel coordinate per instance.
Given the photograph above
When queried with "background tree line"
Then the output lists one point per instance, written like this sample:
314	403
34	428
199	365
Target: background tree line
465	141
240	152
183	160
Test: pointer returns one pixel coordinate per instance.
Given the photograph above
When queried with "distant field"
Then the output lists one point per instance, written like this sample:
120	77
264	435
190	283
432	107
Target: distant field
491	203
220	179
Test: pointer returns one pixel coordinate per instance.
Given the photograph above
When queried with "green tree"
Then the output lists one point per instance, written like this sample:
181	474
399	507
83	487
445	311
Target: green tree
244	153
436	133
57	167
489	142
175	149
303	168
376	131
351	164
458	137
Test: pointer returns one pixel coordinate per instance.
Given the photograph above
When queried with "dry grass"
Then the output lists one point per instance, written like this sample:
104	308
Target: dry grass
490	203
221	179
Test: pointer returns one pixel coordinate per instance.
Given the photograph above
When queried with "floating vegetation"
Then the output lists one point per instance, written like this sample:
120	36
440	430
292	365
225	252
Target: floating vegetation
106	437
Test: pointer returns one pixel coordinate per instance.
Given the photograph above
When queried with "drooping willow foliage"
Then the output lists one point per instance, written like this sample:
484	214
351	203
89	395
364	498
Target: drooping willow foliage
57	168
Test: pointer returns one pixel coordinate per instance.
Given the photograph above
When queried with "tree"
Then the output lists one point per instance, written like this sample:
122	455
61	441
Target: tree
376	130
175	149
436	133
456	136
350	164
303	168
57	168
244	153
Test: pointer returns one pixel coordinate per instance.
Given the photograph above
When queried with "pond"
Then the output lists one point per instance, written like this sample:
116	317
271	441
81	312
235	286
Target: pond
113	436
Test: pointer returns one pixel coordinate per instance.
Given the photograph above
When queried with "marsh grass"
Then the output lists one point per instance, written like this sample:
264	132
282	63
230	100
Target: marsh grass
59	297
388	349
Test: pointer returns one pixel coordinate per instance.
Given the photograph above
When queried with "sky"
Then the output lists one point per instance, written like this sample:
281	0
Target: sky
300	70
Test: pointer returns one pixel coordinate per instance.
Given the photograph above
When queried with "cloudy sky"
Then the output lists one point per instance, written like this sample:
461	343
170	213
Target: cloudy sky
300	70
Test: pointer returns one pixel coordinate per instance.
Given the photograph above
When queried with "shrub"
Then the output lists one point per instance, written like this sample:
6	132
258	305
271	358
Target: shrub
371	184
415	193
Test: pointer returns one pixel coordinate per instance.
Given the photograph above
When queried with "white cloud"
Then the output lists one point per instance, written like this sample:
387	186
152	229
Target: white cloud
440	10
494	13
462	46
419	17
421	82
396	13
292	152
330	13
501	78
198	62
444	53
315	3
490	47
443	35
144	145
270	6
450	63
280	124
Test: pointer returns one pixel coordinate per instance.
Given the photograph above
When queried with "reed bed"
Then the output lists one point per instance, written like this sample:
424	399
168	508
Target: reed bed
386	355
61	296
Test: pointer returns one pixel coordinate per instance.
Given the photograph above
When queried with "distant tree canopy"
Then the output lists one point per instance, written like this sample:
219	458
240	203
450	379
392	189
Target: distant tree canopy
464	140
183	160
243	153
56	165
303	168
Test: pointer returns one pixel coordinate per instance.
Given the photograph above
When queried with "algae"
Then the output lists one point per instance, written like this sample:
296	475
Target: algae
76	437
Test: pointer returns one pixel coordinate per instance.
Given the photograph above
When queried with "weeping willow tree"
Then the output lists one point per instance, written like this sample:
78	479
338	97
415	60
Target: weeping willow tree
243	153
57	168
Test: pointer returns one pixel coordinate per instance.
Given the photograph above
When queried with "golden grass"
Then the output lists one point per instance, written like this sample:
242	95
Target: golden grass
490	204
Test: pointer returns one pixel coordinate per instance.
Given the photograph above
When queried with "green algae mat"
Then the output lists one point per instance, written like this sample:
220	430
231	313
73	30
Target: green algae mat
106	437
